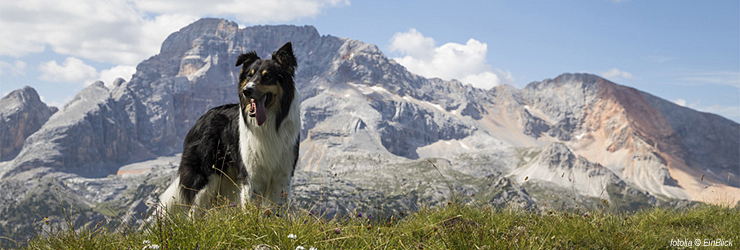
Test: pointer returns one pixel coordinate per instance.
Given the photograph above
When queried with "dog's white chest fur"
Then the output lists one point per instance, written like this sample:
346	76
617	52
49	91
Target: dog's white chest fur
268	155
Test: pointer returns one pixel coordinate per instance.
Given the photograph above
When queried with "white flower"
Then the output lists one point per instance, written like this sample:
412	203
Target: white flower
300	248
148	245
292	236
152	246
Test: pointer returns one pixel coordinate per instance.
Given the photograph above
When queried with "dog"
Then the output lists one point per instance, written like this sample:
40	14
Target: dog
246	151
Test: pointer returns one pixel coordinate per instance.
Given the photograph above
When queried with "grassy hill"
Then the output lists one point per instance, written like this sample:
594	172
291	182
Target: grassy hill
450	226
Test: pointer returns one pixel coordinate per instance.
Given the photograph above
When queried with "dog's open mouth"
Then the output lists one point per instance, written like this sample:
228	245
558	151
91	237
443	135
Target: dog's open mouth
257	109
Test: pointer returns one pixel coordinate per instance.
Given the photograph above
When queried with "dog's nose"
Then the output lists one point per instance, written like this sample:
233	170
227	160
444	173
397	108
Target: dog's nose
248	90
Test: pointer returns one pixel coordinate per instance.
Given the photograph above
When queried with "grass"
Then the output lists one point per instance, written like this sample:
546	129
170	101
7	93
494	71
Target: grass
449	226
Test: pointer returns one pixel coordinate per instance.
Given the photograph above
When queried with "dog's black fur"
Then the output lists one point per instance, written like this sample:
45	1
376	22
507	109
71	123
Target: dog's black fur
211	142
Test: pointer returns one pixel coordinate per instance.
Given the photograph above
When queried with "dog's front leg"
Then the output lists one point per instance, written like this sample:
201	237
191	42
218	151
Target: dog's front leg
250	195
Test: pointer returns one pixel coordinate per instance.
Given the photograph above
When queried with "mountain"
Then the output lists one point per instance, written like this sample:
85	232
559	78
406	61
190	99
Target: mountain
21	114
658	146
375	137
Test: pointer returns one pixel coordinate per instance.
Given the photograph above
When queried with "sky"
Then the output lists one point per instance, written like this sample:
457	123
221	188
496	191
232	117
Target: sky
687	52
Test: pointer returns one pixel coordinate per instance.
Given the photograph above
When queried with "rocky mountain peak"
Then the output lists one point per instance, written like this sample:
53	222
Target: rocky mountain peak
181	41
22	113
17	98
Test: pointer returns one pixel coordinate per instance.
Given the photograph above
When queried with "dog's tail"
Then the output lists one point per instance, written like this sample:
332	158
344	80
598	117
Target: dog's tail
172	201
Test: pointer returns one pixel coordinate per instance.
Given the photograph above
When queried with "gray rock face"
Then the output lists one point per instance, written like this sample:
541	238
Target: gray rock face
558	165
563	100
21	114
85	137
706	140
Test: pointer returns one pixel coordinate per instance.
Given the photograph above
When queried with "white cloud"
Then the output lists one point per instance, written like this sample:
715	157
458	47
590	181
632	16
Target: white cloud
464	62
680	102
126	31
76	71
72	70
616	73
252	12
16	68
104	30
119	71
414	44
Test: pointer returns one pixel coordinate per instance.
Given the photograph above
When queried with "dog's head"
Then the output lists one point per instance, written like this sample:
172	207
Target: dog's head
266	86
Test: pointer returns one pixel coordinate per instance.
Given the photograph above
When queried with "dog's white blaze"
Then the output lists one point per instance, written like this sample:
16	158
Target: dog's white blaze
267	154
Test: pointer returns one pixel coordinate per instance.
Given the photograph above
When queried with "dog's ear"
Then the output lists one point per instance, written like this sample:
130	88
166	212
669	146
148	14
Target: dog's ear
247	59
284	56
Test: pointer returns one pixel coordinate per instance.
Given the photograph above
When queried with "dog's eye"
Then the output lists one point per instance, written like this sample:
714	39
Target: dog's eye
266	77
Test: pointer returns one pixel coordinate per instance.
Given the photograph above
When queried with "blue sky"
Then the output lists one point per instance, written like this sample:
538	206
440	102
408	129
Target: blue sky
687	52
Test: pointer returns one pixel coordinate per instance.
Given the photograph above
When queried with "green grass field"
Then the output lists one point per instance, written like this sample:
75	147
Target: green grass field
452	226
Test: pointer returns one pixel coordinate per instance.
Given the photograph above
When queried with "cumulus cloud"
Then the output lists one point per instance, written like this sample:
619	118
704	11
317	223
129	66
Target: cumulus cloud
680	102
104	30
126	31
70	71
617	73
16	68
250	12
119	71
76	71
464	62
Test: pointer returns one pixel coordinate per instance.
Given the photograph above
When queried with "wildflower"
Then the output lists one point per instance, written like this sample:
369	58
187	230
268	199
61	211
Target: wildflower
359	215
292	236
300	248
337	230
148	245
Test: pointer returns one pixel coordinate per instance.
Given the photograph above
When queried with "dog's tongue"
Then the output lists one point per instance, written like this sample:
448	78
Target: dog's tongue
259	111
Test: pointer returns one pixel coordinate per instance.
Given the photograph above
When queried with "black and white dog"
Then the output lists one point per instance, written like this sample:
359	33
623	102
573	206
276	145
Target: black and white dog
245	152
